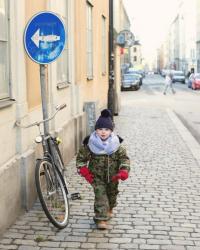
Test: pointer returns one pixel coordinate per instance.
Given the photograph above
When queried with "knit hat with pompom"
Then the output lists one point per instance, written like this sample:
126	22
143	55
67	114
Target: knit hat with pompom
105	120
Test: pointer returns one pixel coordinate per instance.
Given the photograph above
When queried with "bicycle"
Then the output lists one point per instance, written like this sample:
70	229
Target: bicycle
50	178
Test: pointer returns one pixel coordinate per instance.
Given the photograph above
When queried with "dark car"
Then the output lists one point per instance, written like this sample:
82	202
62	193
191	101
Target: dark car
130	81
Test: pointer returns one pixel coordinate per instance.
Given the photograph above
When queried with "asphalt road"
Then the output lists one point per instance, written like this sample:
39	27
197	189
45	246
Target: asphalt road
185	103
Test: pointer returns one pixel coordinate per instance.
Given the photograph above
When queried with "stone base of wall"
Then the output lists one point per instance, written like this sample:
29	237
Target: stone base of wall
10	193
17	178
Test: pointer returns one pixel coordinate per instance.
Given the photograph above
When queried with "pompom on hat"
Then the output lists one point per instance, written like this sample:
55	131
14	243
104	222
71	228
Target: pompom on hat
105	120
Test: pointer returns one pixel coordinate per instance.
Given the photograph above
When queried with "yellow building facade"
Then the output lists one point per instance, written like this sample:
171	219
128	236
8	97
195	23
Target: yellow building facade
78	77
91	73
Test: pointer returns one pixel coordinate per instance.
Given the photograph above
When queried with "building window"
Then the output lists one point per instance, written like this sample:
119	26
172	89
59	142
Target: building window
135	58
4	51
103	45
135	49
89	33
63	60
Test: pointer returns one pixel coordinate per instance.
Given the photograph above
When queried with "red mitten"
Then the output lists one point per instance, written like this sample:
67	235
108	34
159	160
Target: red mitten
85	172
89	178
121	175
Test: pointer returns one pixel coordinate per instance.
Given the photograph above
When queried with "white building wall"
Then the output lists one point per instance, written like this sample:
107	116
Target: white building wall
171	46
182	37
198	34
190	33
13	141
9	114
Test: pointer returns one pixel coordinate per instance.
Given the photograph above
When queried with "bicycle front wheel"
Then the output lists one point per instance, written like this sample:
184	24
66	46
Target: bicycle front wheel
52	193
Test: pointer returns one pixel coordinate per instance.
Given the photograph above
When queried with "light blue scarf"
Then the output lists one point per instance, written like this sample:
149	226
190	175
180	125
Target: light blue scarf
99	147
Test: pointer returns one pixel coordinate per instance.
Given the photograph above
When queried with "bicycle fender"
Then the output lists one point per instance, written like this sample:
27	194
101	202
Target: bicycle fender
44	158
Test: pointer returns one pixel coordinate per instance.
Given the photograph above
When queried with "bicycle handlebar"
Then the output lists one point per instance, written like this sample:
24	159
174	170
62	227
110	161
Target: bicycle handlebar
62	106
58	108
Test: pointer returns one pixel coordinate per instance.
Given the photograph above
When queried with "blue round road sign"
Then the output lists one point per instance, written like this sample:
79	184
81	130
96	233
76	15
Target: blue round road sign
44	37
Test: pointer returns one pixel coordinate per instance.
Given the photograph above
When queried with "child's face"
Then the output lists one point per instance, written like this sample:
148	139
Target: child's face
103	133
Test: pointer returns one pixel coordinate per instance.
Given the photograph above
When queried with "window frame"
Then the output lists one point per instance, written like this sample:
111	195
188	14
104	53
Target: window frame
89	41
103	54
7	95
63	83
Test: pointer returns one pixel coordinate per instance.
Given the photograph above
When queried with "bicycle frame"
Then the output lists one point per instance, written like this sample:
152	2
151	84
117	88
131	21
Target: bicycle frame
48	145
46	139
43	137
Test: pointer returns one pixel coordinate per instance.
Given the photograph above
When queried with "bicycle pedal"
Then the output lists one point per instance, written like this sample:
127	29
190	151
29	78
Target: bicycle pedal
75	196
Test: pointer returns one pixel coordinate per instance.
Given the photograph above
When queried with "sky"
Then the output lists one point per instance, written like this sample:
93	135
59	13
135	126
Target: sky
150	21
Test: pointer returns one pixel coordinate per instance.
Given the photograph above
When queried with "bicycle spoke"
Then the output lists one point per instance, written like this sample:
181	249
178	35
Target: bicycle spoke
53	194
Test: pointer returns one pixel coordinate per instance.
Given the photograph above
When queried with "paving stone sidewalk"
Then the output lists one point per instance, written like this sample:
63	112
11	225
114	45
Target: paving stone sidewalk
158	206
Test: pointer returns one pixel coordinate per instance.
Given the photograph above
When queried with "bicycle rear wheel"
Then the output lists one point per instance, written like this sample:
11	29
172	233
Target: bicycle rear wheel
52	193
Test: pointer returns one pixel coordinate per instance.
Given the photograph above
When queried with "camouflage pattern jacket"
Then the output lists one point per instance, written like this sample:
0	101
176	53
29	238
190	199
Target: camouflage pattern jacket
103	166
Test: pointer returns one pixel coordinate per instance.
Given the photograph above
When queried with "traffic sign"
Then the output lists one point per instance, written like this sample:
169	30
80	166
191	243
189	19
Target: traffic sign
125	39
44	37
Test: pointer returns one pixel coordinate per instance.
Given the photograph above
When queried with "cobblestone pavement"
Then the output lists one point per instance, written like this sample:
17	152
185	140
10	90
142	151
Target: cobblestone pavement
158	206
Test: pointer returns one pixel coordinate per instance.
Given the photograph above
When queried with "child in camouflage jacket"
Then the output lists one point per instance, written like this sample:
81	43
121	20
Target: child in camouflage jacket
102	161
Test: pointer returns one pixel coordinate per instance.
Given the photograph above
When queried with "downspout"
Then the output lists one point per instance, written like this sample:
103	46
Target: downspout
111	61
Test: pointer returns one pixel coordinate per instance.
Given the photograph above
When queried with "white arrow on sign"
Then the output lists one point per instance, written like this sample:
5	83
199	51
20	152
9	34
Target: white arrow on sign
36	38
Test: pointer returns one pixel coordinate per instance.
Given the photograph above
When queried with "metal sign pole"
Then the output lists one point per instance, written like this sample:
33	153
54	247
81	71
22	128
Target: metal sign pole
44	97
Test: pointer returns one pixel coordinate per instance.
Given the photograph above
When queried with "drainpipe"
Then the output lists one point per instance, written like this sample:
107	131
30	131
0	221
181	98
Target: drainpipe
111	60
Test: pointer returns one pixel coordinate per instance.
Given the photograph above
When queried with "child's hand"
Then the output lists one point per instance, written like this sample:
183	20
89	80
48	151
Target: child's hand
89	178
121	175
85	172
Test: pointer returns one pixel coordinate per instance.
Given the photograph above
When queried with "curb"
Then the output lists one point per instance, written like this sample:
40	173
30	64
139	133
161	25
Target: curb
191	142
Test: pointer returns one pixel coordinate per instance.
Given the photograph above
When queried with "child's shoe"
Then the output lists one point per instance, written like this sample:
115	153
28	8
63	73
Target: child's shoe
102	225
110	213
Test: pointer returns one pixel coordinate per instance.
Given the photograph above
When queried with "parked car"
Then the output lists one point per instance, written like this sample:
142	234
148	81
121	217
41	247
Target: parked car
130	81
150	72
141	72
124	68
196	82
178	76
134	71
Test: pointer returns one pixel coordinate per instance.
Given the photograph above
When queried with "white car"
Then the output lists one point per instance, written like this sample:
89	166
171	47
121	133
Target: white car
178	76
